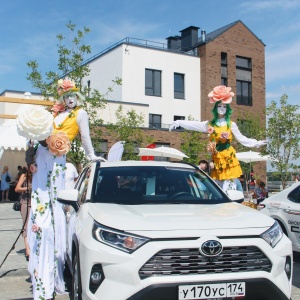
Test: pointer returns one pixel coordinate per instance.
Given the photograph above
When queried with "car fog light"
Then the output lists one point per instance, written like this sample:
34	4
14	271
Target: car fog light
288	267
96	277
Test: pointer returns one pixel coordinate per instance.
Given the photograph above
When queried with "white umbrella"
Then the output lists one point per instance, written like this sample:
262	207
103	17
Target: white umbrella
251	156
162	151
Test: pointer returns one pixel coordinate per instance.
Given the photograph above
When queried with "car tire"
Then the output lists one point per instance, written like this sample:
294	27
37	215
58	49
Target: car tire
76	279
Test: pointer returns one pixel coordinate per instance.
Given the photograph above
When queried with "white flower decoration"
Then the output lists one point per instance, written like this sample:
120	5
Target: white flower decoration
35	124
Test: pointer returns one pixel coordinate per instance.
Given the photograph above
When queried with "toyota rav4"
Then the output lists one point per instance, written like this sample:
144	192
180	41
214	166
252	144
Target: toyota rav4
156	230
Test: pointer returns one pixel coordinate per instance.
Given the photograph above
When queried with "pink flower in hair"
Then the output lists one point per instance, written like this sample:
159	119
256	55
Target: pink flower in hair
221	93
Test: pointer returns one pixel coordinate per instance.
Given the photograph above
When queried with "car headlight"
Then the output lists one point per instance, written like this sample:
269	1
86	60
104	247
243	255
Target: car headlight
273	235
117	239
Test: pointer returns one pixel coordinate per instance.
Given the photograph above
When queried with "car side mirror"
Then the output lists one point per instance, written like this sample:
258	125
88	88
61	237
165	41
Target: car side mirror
235	195
69	197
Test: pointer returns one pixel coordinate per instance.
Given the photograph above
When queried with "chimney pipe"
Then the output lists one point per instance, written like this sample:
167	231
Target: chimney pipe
203	35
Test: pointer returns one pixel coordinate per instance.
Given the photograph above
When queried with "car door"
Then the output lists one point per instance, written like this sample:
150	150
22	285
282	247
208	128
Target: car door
71	214
291	213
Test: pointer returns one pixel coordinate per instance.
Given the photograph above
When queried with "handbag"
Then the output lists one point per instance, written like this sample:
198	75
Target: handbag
7	179
17	206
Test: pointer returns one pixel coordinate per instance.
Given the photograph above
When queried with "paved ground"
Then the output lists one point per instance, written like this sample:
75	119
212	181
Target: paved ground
14	278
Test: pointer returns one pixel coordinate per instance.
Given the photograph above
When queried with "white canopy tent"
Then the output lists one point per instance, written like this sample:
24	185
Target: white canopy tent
12	145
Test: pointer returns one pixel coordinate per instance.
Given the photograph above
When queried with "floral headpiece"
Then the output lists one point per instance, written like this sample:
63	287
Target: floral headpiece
221	93
65	86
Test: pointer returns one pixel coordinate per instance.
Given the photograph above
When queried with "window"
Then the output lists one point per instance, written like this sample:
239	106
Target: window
179	118
154	121
243	93
224	80
89	88
152	83
243	81
294	195
178	86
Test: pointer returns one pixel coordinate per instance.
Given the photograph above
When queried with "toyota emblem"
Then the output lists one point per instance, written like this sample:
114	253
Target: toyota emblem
211	248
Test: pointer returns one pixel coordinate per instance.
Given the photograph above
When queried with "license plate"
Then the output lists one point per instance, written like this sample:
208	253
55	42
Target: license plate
209	291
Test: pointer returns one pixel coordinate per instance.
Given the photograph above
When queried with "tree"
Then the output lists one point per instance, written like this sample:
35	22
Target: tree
253	126
194	146
283	135
72	53
127	129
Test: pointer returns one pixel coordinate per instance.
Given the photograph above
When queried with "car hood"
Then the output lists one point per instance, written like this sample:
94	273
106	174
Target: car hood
178	217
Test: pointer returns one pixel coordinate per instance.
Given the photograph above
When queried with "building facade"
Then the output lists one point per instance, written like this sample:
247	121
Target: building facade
166	82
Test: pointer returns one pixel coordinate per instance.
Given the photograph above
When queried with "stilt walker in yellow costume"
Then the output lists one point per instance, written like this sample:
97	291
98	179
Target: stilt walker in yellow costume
224	164
46	226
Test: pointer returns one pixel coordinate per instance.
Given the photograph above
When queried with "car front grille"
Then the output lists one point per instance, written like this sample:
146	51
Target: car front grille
189	261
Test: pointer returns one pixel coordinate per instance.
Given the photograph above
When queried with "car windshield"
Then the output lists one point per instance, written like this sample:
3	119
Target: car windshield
154	184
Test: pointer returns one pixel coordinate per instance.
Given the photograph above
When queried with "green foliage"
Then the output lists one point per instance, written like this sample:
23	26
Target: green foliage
194	146
127	129
72	52
283	134
250	125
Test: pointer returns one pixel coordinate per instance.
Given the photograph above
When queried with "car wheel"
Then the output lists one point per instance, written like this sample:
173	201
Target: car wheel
76	279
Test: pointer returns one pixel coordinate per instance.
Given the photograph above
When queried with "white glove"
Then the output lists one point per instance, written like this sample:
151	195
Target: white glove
261	143
93	157
174	125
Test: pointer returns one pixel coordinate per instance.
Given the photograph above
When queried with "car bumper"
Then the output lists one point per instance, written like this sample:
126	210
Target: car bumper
122	280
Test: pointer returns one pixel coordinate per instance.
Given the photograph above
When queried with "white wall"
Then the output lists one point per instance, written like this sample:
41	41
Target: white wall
129	62
137	59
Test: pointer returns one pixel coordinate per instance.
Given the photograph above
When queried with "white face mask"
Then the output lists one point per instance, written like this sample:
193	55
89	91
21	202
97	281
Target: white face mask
70	100
221	109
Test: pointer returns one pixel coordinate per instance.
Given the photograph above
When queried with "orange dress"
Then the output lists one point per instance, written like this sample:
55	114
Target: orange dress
226	165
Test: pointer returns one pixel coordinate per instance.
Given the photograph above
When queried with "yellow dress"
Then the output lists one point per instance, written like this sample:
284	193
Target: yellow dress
226	165
69	125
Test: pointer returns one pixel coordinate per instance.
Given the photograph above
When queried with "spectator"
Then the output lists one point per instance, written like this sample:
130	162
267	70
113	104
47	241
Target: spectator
251	181
20	171
4	184
24	187
203	165
261	191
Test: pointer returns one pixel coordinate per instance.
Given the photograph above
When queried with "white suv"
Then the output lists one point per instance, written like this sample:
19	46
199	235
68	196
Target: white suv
161	230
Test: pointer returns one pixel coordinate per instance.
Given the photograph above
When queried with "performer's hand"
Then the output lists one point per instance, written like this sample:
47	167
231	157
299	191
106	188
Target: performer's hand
93	157
211	165
174	125
261	143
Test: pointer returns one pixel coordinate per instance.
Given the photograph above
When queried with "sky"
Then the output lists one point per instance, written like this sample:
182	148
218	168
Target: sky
29	29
